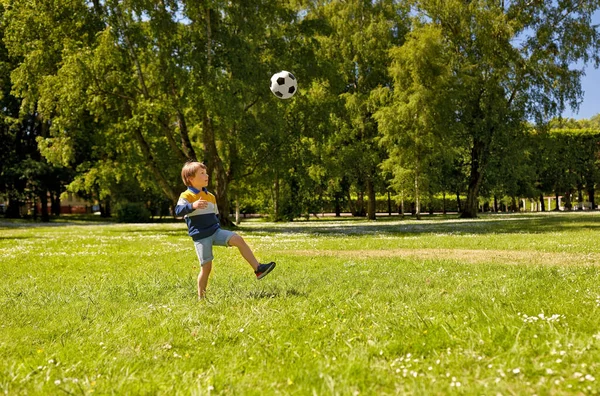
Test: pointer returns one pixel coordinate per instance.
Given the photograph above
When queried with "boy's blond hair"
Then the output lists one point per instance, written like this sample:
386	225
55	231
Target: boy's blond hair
189	170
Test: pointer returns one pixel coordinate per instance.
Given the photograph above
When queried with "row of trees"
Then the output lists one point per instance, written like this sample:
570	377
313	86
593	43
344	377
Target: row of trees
108	98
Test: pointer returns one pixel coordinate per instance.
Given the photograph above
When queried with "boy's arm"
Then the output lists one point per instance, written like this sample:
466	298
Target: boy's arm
183	207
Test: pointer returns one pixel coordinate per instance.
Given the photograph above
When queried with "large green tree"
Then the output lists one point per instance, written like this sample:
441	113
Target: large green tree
362	33
24	174
160	83
510	60
413	121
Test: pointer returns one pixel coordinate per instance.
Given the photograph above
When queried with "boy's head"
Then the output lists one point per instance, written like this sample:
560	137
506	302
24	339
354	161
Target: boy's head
189	170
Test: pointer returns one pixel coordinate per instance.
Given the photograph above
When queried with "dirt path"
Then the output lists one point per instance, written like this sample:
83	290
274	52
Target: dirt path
465	255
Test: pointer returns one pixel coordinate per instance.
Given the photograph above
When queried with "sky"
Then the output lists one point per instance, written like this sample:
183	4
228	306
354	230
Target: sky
590	83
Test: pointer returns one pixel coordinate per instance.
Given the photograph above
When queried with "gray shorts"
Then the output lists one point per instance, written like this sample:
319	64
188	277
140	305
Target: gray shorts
204	246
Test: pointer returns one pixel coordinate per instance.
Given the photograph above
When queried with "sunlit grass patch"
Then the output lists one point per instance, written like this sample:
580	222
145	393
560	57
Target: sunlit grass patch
503	304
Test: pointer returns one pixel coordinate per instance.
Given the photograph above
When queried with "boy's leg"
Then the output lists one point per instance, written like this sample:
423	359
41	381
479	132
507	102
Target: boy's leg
205	256
203	278
245	250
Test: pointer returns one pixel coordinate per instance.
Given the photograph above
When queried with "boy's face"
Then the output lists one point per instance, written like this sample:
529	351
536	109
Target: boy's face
200	179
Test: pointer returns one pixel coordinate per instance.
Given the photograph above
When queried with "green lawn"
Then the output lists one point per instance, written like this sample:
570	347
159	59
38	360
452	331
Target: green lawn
505	304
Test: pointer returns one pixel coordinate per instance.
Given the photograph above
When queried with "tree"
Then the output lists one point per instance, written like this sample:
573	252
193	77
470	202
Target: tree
147	83
24	174
412	124
362	32
510	61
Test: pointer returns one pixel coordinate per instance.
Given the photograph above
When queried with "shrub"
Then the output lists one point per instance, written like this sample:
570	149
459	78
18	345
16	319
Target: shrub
132	212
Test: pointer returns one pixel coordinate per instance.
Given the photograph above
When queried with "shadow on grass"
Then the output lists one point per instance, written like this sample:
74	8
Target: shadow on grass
182	231
486	224
8	238
54	222
292	292
544	222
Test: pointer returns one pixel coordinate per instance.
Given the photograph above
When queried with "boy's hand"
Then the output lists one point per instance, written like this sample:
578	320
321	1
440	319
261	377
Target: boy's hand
200	204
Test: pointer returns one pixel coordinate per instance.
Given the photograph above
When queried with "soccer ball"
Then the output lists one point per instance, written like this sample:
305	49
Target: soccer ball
284	84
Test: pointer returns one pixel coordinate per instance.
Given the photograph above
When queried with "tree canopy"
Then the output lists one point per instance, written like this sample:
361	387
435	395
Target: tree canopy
419	98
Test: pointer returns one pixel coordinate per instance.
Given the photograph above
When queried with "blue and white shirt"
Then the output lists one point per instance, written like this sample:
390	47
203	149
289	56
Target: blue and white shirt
201	223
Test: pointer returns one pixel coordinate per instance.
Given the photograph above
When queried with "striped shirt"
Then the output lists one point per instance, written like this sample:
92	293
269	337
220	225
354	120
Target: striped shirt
201	223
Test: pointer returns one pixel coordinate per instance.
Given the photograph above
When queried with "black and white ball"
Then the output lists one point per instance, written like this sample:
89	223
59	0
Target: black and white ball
284	84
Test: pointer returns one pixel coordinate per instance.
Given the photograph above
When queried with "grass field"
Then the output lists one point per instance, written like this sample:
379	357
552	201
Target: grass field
505	304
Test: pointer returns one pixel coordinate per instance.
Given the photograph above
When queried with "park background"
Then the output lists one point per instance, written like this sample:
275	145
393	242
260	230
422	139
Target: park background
432	105
404	106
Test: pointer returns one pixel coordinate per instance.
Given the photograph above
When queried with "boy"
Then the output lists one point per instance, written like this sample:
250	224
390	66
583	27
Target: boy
199	207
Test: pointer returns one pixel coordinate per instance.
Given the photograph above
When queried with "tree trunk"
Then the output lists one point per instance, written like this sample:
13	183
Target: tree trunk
458	204
371	205
402	207
55	203
543	204
360	204
591	198
13	211
475	178
218	177
580	198
557	201
417	203
276	196
212	160
568	204
351	205
186	144
44	204
389	202
431	209
237	211
495	204
514	207
105	210
444	202
35	209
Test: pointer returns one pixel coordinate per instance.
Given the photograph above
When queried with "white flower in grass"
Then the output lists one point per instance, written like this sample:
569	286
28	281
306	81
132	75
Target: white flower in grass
549	371
57	382
516	370
455	383
590	377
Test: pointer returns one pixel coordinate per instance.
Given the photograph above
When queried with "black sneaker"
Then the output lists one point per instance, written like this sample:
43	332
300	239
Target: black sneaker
264	269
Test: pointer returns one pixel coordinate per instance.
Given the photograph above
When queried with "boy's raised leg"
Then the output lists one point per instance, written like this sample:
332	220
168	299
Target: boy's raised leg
245	250
259	269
